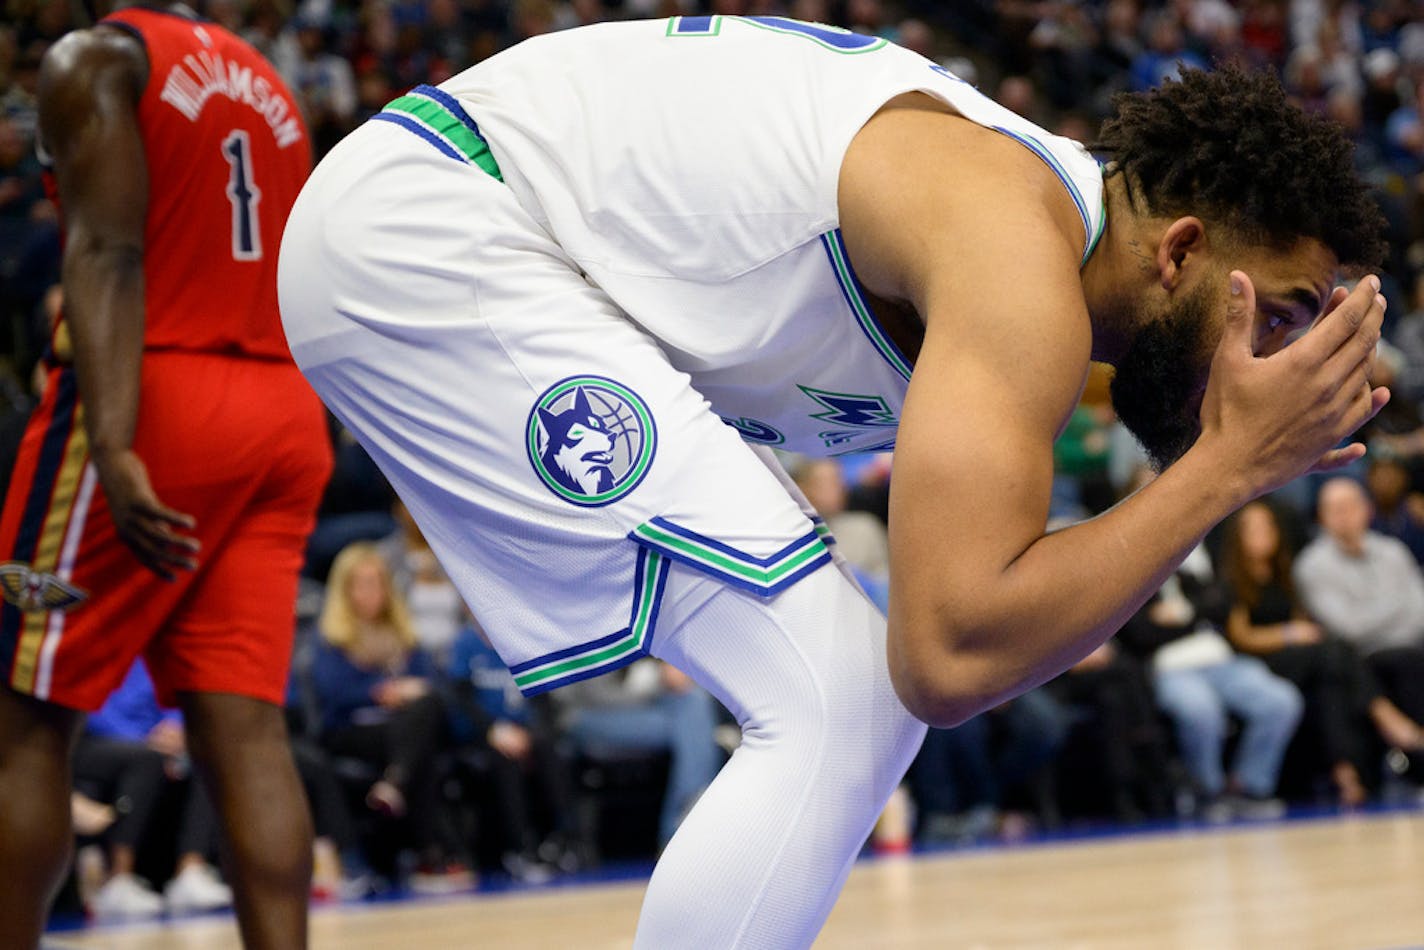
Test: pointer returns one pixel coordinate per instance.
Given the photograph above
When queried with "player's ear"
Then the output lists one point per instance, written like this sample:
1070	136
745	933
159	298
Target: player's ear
1181	244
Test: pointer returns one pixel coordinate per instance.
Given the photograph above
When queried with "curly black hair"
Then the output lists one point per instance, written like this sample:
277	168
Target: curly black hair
1228	146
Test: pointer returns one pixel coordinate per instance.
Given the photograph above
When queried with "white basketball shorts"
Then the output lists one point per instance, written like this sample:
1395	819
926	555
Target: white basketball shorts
554	459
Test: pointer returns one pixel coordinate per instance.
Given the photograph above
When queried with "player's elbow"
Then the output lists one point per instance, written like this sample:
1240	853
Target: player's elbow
939	684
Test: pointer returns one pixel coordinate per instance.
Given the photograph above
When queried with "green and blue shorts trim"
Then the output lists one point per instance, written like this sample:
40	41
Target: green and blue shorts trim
439	119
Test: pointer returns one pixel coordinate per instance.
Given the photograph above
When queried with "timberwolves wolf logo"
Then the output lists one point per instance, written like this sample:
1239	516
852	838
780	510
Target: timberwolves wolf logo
591	440
34	591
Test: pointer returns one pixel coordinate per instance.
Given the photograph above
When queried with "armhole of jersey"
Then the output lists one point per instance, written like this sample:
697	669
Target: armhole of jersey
130	30
1091	232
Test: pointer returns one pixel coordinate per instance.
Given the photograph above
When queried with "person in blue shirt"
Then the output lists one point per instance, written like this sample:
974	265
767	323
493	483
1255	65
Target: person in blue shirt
377	694
488	711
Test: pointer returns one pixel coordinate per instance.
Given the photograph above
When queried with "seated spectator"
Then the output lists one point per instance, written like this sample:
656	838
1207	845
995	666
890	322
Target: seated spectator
1367	589
1109	691
378	703
860	536
488	712
436	609
1267	620
1199	680
1166	53
1399	510
129	752
961	777
649	706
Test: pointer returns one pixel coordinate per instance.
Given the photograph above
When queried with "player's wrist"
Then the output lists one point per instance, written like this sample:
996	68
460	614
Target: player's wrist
1217	469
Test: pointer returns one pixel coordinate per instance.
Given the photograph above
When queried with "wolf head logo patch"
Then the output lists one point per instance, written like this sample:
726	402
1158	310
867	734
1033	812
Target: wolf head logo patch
591	439
35	591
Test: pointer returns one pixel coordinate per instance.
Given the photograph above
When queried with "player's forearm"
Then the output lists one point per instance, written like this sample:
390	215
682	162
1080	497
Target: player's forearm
1062	597
104	308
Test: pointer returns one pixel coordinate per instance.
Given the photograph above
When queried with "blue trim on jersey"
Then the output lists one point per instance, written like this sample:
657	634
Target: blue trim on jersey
1051	160
564	654
727	549
809	541
451	105
647	560
406	122
854	296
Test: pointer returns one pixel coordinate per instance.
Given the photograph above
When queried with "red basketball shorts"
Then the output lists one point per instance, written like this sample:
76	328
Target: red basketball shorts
239	444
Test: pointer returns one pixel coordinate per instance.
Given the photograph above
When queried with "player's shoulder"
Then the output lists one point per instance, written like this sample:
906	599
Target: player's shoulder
929	185
83	57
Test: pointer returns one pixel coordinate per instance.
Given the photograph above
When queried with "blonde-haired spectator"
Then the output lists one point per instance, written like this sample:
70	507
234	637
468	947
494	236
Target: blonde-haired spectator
375	688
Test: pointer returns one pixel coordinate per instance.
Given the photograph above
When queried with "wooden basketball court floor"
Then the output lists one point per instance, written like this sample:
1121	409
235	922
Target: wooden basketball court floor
1339	883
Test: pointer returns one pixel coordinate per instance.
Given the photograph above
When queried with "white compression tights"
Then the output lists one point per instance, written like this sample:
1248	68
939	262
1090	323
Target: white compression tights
759	862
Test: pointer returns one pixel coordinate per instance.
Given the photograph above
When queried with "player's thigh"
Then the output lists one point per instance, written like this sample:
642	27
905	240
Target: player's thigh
78	606
234	631
554	458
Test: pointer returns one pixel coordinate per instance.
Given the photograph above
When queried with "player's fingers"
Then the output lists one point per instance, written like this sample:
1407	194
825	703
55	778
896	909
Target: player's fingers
147	555
1363	346
163	520
162	547
1238	335
1339	458
1340	325
176	518
1337	297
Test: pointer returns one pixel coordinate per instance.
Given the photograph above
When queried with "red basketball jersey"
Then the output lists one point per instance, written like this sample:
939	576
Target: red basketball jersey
227	151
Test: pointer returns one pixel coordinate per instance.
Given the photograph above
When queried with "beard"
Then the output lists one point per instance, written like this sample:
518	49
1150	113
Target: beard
1156	380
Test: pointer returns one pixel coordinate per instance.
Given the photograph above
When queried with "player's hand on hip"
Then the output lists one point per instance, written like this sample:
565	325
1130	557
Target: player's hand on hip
1278	416
158	536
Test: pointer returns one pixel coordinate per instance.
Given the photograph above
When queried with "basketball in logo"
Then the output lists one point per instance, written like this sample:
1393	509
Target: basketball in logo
591	439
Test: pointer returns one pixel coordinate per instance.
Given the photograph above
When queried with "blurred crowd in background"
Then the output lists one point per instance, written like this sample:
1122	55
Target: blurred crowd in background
1282	665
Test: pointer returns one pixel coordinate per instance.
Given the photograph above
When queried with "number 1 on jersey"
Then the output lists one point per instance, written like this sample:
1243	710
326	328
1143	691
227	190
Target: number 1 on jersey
243	194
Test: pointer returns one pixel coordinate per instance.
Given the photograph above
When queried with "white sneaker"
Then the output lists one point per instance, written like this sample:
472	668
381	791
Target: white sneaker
125	897
197	888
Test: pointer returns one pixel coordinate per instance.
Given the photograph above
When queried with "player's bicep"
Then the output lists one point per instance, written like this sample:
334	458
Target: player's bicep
88	111
996	380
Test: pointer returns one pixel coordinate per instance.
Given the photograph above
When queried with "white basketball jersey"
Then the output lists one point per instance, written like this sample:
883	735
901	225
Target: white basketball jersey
690	167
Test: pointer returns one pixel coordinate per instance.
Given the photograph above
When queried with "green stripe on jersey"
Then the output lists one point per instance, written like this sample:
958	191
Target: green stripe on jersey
448	125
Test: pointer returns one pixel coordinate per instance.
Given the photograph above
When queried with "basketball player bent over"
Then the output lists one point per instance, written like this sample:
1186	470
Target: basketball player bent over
163	494
570	298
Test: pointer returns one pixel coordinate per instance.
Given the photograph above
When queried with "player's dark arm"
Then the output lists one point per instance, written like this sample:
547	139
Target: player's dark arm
983	603
89	88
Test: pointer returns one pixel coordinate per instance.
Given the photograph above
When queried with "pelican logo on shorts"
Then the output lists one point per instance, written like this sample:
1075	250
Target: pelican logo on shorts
35	591
591	439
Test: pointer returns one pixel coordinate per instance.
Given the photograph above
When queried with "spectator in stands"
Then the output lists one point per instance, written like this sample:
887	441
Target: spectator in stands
1399	509
131	749
379	705
860	536
436	610
1368	589
1108	691
324	84
962	777
21	194
1404	133
648	707
1199	680
1268	621
1166	52
339	869
1408	336
489	713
